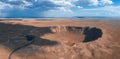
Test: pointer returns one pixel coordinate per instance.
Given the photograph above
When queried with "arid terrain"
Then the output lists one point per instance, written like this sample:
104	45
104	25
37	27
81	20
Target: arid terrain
61	39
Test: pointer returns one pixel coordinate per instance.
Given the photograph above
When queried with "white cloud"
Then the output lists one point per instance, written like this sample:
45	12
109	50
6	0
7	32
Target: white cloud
63	3
111	11
104	2
57	13
93	2
62	7
79	7
12	0
4	5
26	3
60	12
10	6
67	4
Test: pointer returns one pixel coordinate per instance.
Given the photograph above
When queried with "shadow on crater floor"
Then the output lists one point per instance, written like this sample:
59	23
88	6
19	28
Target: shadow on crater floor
92	34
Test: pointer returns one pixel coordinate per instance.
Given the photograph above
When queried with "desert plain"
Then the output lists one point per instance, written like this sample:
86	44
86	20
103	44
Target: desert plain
61	38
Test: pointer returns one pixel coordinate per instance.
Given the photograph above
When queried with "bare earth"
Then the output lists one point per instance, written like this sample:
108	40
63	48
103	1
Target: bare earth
61	39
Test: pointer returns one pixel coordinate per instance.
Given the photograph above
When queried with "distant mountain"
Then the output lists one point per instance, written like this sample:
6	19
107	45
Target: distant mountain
91	17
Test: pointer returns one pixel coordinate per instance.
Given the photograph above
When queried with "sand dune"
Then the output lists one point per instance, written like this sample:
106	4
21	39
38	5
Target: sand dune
71	39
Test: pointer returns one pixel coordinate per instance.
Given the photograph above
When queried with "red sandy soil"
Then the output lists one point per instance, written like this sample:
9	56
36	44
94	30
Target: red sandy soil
55	41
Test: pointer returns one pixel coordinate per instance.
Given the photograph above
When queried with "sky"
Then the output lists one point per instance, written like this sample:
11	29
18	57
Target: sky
59	8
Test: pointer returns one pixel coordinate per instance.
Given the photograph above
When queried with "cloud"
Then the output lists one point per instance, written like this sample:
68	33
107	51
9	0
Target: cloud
79	7
94	2
64	3
38	8
4	5
108	11
87	2
59	13
26	8
65	6
33	8
104	2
